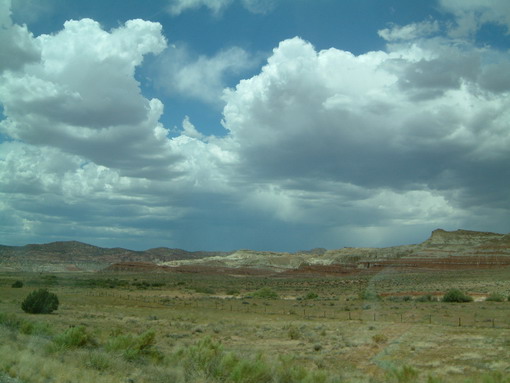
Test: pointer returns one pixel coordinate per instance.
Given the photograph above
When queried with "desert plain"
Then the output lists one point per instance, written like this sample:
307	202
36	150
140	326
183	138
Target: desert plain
365	317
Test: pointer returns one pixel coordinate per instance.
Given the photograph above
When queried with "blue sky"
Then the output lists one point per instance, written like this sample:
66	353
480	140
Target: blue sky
263	124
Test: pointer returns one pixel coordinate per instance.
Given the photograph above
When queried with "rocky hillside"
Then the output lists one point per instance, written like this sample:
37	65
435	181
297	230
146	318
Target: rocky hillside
444	249
77	256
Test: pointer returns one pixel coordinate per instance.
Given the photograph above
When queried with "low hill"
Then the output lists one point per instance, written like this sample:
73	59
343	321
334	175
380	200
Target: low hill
78	256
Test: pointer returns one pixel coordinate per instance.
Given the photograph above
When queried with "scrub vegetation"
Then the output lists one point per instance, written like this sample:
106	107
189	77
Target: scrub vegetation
388	327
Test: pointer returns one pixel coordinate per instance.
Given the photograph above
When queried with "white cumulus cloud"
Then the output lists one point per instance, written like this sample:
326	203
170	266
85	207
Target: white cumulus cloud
472	14
413	120
82	97
410	31
176	7
18	44
204	77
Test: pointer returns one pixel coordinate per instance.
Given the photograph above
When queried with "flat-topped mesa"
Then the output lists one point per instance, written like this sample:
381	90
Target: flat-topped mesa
460	237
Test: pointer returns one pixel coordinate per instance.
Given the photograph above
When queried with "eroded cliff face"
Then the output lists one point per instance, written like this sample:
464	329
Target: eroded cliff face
443	249
462	238
464	243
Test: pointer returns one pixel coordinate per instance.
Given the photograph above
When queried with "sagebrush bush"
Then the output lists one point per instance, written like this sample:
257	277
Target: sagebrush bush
97	360
265	293
426	298
495	297
206	361
40	302
17	285
311	295
455	295
204	290
293	332
10	321
405	374
24	326
369	295
134	347
380	338
74	337
251	371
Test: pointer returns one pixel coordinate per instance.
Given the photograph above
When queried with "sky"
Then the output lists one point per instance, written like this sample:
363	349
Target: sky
280	125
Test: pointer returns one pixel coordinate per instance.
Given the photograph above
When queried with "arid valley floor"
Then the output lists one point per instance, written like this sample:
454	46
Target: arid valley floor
380	324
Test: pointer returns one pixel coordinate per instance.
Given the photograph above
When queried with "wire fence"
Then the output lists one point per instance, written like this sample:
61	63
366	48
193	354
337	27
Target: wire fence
431	313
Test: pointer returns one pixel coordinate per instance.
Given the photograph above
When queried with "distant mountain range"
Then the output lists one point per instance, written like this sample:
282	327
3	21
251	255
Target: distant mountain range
444	249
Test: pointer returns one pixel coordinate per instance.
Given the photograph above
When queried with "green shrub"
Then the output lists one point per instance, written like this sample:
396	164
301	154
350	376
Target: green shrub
134	347
50	280
204	290
35	328
204	359
251	371
74	337
97	360
11	321
40	302
495	297
380	338
406	374
288	371
17	285
311	295
455	295
368	295
293	332
426	298
24	326
265	293
105	283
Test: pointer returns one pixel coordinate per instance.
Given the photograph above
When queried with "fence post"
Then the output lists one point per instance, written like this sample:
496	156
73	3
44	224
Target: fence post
460	323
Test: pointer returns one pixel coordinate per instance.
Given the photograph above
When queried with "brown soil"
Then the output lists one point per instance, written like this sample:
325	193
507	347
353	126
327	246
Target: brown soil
364	267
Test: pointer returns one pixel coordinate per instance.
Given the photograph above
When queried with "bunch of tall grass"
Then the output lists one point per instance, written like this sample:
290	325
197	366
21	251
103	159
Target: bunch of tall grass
13	322
134	347
207	361
495	297
265	293
74	337
426	298
404	374
369	295
455	295
310	295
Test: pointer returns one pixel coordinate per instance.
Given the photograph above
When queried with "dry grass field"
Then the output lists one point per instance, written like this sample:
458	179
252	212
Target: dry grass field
138	328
